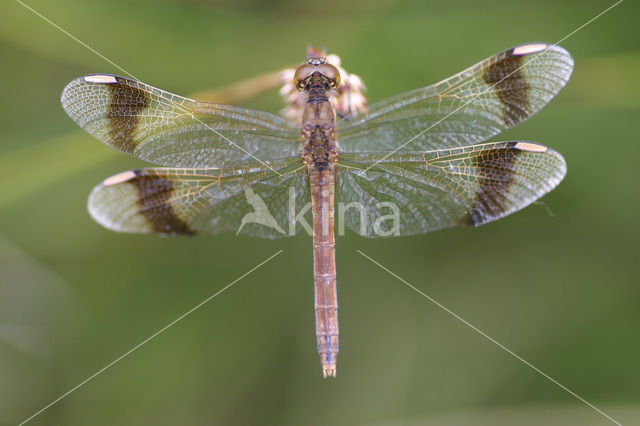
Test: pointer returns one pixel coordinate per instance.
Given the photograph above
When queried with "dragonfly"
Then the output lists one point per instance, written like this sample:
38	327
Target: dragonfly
423	154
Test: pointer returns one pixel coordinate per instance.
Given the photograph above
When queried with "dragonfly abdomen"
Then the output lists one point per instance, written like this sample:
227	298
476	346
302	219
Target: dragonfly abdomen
320	153
321	180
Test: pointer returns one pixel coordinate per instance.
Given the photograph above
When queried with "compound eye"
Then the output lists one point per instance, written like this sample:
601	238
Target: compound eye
331	73
303	72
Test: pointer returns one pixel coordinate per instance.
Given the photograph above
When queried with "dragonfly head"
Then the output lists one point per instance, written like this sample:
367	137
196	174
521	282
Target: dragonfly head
319	68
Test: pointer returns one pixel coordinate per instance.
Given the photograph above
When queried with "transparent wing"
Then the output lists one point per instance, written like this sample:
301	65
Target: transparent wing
169	130
440	189
465	109
251	200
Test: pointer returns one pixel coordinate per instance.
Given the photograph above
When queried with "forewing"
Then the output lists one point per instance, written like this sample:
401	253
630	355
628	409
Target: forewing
469	107
169	130
251	200
440	189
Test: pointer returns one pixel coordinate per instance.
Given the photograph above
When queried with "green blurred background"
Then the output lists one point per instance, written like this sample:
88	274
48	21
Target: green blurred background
559	289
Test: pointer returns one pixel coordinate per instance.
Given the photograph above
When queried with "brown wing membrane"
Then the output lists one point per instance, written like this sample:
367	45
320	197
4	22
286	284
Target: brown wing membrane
467	108
440	189
251	200
170	130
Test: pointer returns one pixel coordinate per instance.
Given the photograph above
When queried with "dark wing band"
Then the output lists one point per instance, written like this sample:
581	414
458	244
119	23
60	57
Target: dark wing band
440	189
467	108
169	130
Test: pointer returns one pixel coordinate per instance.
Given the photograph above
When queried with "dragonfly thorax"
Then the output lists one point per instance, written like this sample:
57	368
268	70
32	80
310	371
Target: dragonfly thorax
320	148
319	143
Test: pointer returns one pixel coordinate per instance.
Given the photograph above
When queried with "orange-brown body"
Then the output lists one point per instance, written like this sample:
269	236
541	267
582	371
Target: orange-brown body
320	153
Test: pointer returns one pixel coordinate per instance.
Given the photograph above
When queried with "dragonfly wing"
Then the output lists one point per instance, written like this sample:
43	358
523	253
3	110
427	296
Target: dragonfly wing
440	189
251	200
169	130
467	108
